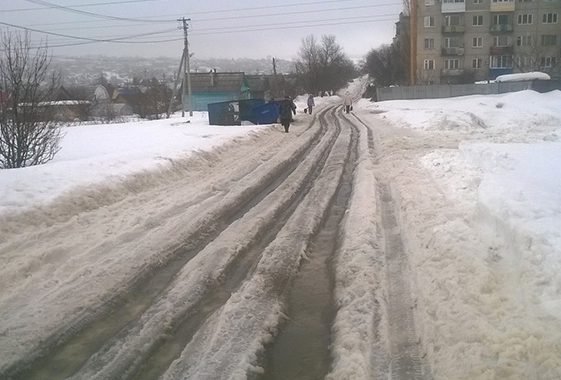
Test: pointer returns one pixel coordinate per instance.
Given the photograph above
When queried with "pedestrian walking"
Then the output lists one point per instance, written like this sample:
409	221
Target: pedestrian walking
286	109
311	103
348	102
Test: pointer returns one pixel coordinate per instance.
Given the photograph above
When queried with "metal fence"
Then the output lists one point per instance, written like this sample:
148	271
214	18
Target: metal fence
452	90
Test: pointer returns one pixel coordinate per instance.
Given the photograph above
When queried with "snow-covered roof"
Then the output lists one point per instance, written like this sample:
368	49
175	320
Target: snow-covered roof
534	75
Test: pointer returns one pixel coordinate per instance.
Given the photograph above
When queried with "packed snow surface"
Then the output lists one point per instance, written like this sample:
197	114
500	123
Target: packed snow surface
484	229
481	217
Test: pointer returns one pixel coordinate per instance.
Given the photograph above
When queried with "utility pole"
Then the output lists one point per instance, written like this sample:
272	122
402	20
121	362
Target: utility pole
175	83
186	71
275	93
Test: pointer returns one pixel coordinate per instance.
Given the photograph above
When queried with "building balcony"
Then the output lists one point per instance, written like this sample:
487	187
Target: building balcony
501	50
505	6
452	51
501	28
453	29
453	7
451	72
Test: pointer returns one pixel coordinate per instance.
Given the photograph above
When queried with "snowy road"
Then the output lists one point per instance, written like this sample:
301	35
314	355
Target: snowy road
235	268
354	247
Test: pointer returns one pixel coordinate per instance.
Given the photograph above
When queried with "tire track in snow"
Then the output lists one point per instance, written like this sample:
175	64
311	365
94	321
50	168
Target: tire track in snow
405	361
301	349
231	341
82	336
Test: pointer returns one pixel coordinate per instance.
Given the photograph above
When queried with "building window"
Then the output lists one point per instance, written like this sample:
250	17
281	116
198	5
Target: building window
525	19
549	40
547	61
500	41
451	64
525	1
478	20
478	1
522	62
476	63
503	1
477	42
524	41
452	20
429	64
549	18
452	1
429	21
429	43
452	42
500	20
501	62
429	2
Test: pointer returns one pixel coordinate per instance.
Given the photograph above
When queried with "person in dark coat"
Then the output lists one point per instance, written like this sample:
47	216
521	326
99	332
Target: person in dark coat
286	109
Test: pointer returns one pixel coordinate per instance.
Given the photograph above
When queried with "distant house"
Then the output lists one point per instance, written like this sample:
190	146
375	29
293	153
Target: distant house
128	101
216	87
86	103
93	93
260	86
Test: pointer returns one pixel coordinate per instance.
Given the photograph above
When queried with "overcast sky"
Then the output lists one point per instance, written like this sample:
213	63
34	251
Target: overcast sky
217	28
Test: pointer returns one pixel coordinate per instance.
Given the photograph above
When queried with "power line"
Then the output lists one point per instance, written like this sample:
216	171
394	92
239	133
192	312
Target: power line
95	42
230	18
115	40
104	26
294	13
268	26
77	11
269	7
77	5
142	19
308	23
289	27
102	58
148	39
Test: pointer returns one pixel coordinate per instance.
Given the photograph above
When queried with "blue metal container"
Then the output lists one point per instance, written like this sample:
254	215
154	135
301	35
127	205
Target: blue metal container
267	113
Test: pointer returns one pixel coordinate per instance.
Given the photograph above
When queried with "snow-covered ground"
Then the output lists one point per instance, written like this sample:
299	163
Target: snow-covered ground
480	204
480	201
97	153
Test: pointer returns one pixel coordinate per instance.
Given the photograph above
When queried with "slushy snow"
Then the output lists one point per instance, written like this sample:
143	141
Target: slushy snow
481	218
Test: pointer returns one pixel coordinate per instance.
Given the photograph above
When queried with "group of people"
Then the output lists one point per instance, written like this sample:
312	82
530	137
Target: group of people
287	108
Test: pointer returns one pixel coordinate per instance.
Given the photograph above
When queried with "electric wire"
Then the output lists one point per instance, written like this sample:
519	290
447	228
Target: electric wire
142	19
317	22
291	13
77	5
77	11
211	31
240	17
115	40
288	27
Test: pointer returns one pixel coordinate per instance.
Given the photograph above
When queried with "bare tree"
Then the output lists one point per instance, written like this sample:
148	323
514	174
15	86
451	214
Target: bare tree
386	65
535	56
157	97
28	133
323	67
307	64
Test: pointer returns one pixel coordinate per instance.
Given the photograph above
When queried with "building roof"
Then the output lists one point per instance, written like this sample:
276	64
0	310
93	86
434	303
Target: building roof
217	82
258	82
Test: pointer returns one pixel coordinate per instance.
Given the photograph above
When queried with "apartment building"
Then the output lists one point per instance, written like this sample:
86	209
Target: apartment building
461	41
